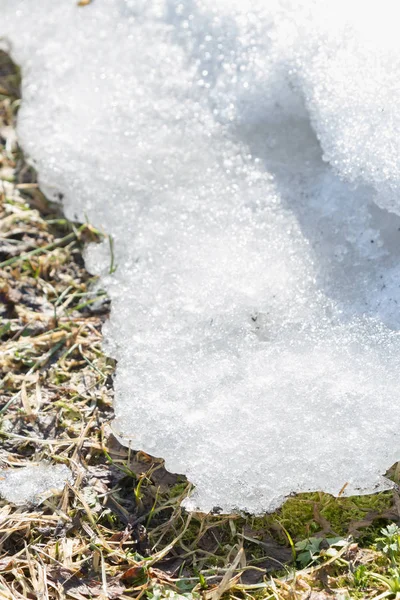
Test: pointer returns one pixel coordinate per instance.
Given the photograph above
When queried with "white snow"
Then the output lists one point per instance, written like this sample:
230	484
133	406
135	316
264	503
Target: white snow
244	158
34	483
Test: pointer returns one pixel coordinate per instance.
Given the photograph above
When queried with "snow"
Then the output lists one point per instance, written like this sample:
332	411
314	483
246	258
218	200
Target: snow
244	159
34	483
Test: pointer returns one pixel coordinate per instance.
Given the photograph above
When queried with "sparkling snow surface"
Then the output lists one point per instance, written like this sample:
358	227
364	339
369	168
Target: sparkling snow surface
34	483
244	156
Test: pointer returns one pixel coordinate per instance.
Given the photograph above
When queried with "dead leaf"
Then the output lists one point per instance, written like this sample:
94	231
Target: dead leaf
276	555
161	575
134	575
325	525
396	502
76	586
370	517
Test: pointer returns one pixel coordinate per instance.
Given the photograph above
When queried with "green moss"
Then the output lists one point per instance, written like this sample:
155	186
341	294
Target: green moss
178	489
305	515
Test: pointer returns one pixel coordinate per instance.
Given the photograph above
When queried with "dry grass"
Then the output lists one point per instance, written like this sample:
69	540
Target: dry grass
118	531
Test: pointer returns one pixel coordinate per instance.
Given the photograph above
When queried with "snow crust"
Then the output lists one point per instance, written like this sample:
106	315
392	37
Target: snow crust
244	157
34	483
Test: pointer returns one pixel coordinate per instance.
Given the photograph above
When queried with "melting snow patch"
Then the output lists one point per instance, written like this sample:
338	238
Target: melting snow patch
245	159
33	484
